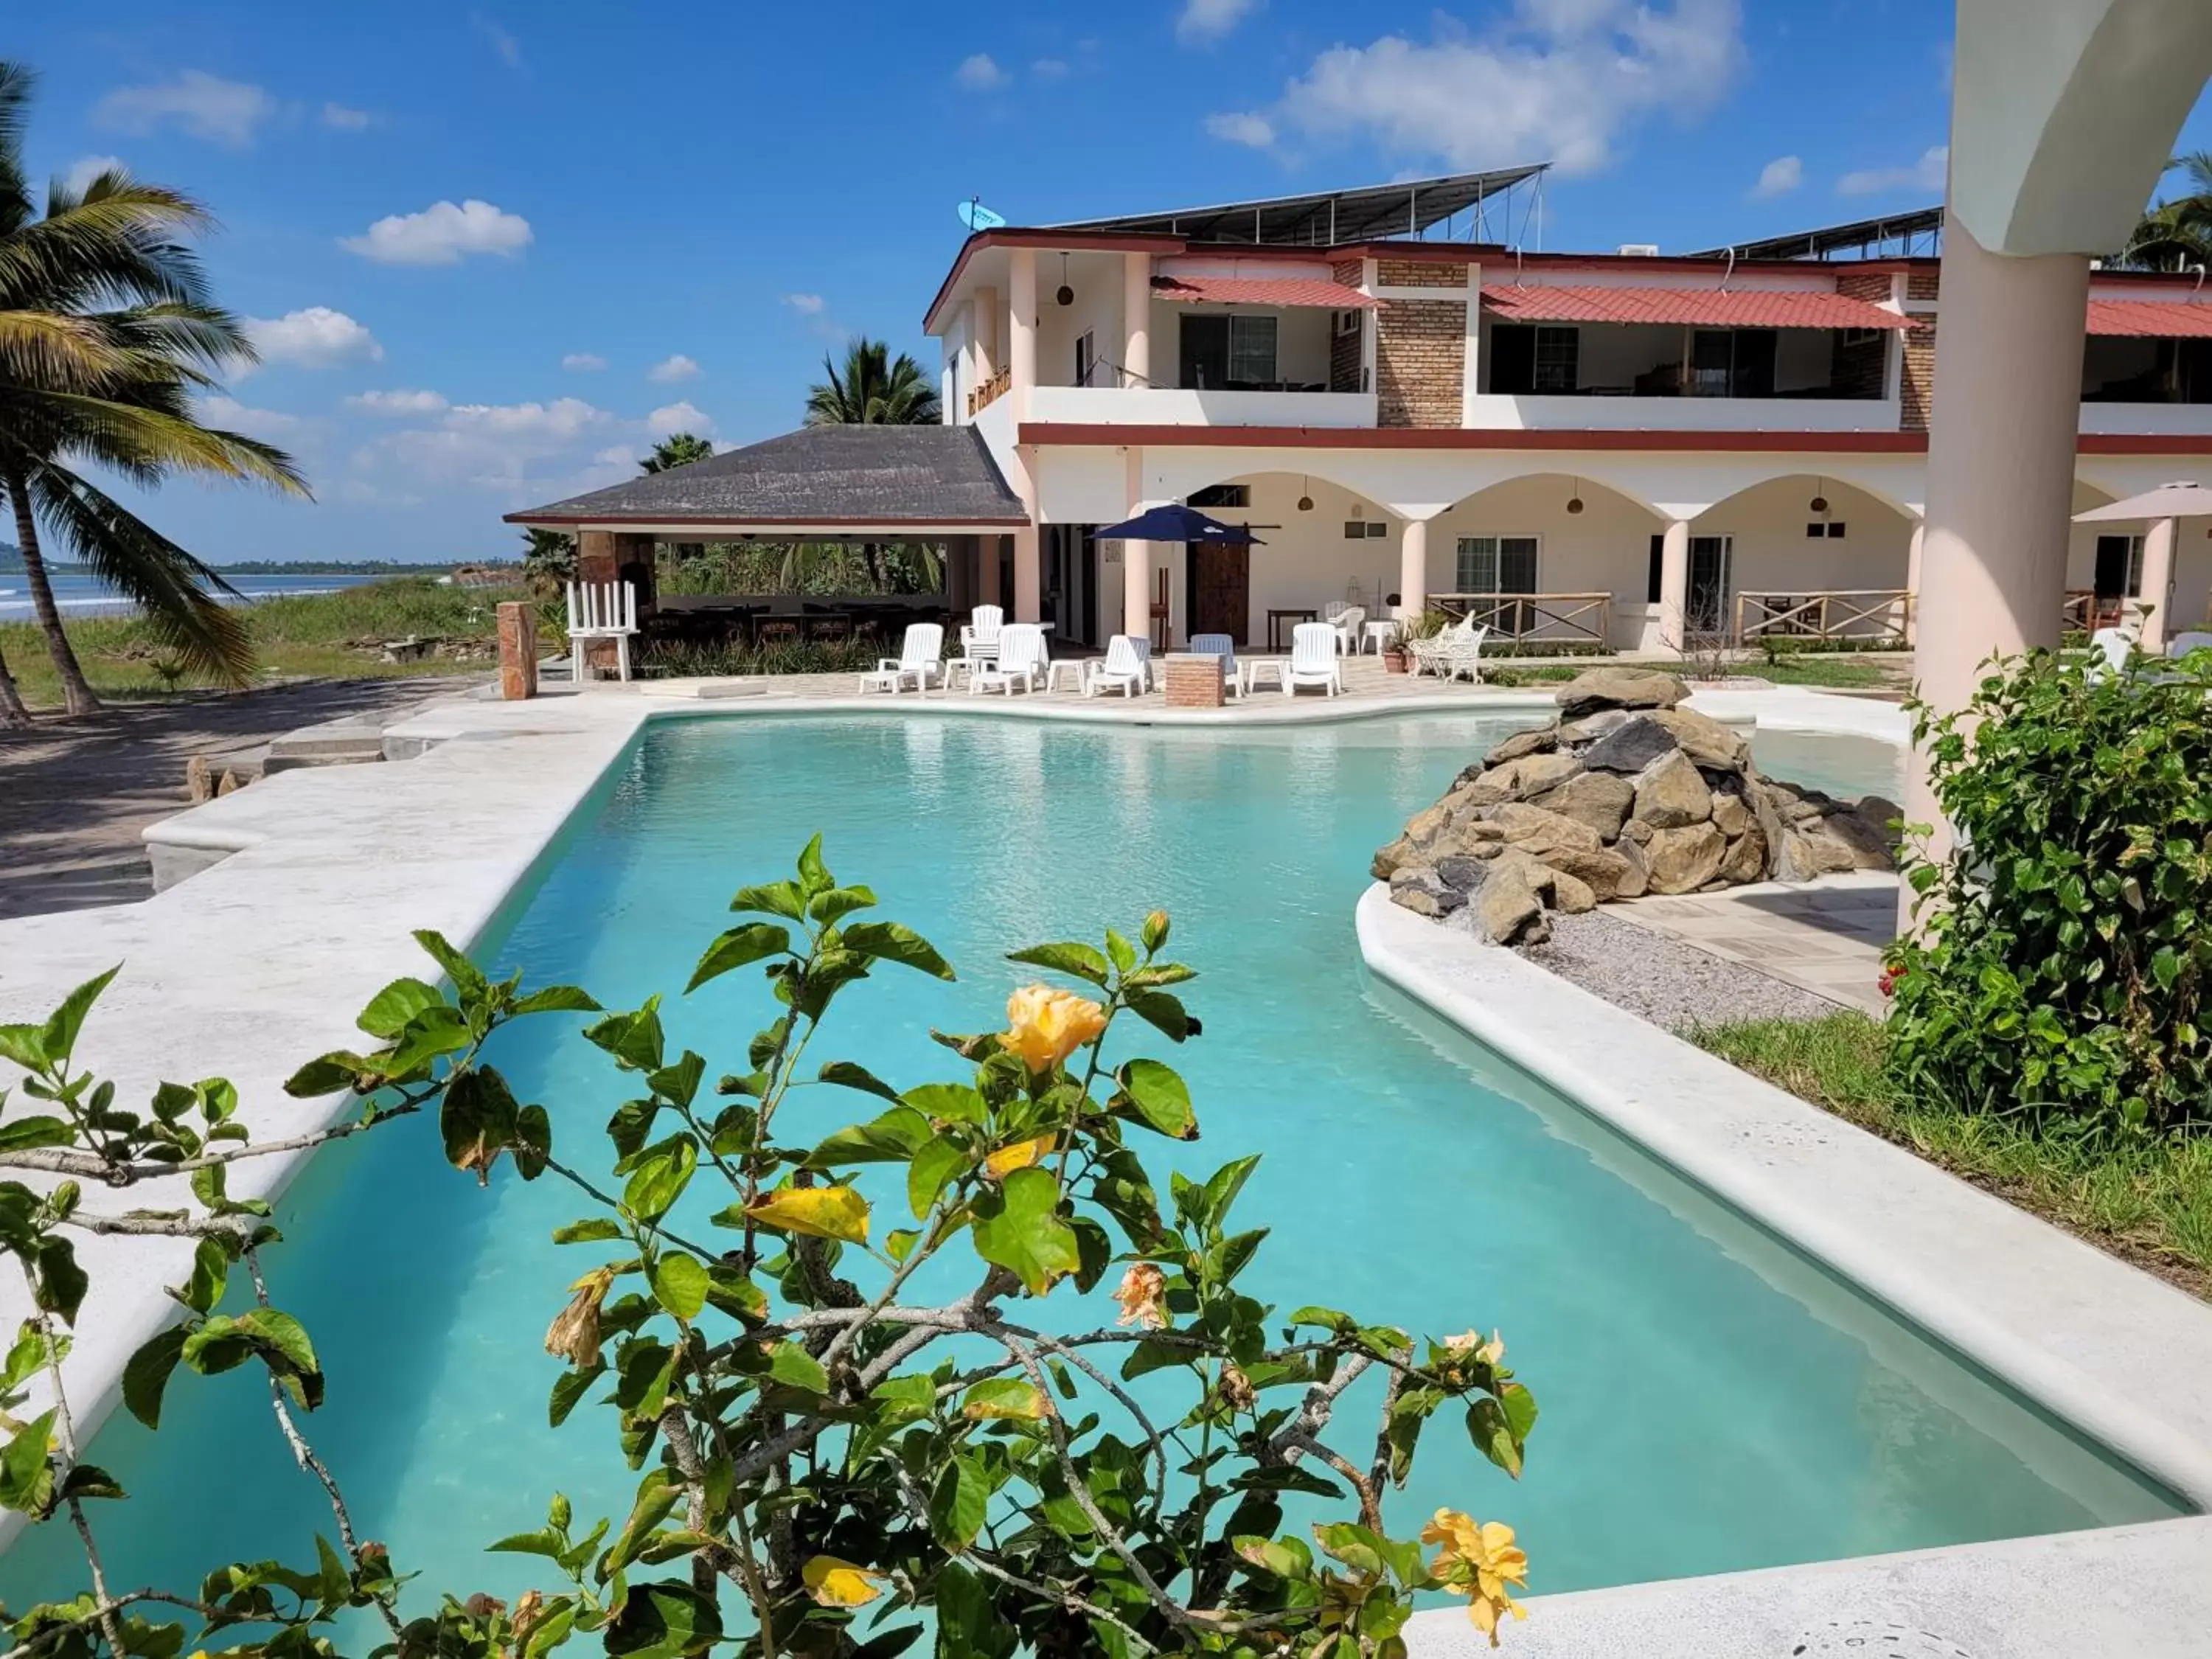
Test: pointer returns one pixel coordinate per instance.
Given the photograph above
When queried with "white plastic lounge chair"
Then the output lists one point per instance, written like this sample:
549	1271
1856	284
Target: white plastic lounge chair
1021	661
2188	640
1221	645
1349	623
1124	667
920	659
2110	646
1313	659
600	611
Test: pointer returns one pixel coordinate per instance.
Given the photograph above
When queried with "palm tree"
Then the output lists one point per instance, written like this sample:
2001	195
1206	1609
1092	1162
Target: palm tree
107	335
2177	233
549	561
677	449
871	389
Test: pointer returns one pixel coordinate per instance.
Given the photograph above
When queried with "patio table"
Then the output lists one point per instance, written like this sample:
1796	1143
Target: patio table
1379	634
1253	670
1293	615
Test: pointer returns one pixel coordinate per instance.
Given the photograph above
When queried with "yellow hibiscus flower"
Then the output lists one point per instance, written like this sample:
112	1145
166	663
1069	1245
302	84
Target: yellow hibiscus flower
1045	1026
1480	1561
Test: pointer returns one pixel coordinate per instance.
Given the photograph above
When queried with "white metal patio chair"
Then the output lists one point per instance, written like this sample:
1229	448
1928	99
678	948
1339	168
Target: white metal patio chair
1221	645
600	611
1349	623
1124	668
1313	659
1462	653
1021	661
920	659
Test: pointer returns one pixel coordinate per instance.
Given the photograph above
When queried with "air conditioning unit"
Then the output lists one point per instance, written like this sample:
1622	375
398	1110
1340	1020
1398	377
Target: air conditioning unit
1640	250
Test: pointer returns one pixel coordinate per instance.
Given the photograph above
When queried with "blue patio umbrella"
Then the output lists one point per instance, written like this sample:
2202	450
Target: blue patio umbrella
1176	522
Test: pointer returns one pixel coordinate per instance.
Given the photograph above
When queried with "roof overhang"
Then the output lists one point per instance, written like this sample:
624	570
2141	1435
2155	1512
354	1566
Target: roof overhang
775	530
1699	307
1261	291
2151	319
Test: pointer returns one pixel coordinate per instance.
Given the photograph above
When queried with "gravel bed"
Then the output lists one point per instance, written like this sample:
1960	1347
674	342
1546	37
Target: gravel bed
1663	979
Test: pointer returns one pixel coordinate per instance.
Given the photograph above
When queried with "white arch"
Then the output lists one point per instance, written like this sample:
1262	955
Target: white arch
1820	481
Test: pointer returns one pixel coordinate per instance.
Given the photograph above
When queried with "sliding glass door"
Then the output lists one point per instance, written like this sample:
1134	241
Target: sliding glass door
1501	565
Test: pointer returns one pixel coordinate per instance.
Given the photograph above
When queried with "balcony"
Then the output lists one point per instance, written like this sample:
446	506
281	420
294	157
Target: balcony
1576	412
1183	406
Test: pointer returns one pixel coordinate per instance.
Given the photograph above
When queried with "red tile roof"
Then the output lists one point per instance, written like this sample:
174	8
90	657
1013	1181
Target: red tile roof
1704	308
2162	319
1261	291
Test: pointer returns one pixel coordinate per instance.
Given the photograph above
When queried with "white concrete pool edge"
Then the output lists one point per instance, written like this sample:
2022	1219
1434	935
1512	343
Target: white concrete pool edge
2098	1343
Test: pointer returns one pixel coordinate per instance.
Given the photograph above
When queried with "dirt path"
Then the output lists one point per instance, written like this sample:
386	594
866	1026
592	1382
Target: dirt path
73	794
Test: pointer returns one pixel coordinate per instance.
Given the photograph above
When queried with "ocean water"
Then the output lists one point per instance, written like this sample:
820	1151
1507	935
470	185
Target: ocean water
1711	1401
88	596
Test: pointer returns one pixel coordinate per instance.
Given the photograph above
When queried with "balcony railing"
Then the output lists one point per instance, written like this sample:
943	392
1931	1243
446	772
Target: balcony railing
1542	618
1160	405
1550	412
1859	615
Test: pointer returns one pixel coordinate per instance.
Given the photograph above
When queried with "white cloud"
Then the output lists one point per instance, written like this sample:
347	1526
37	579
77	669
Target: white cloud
345	120
441	235
398	403
86	168
1780	177
508	48
807	305
684	417
203	104
979	72
231	416
583	362
1560	80
564	417
678	367
617	455
1048	69
316	337
1209	19
523	449
1930	172
1242	127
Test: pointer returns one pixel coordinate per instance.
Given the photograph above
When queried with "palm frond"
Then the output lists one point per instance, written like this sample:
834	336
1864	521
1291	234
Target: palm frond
16	80
175	590
58	348
128	436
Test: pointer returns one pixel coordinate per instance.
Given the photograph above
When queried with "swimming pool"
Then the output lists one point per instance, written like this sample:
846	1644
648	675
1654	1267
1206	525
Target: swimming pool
1711	1400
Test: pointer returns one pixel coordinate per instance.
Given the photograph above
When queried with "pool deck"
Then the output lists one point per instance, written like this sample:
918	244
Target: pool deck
260	960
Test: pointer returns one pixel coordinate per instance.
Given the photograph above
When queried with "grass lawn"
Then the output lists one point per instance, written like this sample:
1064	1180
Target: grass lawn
310	635
2147	1202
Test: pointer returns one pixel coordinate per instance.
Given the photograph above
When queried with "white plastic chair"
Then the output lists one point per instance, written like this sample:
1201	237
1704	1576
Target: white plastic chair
1313	659
1124	667
1349	623
987	620
600	611
2112	647
2188	640
1221	645
1021	661
920	659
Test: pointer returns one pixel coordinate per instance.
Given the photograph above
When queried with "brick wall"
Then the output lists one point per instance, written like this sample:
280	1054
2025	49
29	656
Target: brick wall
1420	362
1919	389
1923	284
1417	273
1874	287
1346	356
1348	271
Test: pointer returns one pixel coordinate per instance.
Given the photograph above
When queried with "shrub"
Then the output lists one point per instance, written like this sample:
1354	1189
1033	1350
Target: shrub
2063	946
824	1463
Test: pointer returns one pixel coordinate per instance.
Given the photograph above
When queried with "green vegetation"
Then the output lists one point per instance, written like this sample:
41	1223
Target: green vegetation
108	335
872	389
850	656
832	1458
2145	1199
677	449
311	635
843	569
2176	234
2059	971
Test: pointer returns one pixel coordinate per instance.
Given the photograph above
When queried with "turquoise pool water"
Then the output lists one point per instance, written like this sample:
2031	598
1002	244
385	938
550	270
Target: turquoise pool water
1711	1401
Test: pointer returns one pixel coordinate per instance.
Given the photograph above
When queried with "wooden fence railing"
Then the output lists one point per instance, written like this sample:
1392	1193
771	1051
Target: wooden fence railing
1548	618
2086	611
1858	615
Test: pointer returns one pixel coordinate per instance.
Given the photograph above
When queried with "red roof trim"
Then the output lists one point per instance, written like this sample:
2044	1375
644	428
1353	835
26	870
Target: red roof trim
1086	436
1264	291
1751	307
978	240
2154	319
728	519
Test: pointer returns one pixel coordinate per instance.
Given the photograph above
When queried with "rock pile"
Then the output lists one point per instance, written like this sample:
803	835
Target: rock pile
1625	793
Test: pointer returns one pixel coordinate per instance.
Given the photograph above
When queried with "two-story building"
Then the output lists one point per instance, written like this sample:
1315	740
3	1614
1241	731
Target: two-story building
1633	449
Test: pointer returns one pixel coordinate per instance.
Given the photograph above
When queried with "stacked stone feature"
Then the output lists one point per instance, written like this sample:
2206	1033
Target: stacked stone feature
1624	794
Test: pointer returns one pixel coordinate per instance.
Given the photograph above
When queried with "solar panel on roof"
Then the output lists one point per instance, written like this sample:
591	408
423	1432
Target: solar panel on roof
1325	218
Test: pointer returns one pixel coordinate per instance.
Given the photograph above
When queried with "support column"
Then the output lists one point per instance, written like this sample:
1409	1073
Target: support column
2156	596
1137	589
1028	573
985	334
1674	585
1413	568
1136	319
2001	453
1912	582
1021	329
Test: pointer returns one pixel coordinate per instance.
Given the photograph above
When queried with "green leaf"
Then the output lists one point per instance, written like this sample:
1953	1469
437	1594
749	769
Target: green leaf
1018	1228
957	1502
59	1282
632	1038
839	903
391	1009
790	1365
329	1074
26	1479
1003	1399
280	1331
1492	1431
1161	1098
948	1103
813	875
210	1272
777	898
24	1133
146	1375
593	1230
679	1283
893	1138
1080	960
748	943
660	1177
467	978
1163	1011
569	1388
664	1620
934	1166
894	941
58	1035
846	1075
557	999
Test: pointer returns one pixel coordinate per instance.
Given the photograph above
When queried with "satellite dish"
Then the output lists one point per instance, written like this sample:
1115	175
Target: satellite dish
974	214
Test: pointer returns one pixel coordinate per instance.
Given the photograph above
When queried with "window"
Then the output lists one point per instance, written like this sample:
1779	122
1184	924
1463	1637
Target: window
1559	356
1364	530
1733	362
2119	567
1222	495
1086	357
1859	336
1832	529
1252	348
1835	529
1497	564
1227	351
1347	322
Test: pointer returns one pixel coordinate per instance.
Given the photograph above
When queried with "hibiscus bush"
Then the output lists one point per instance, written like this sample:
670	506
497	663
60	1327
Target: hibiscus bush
2060	964
828	1463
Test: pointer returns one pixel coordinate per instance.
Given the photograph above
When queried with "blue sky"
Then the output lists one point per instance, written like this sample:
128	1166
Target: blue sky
490	252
